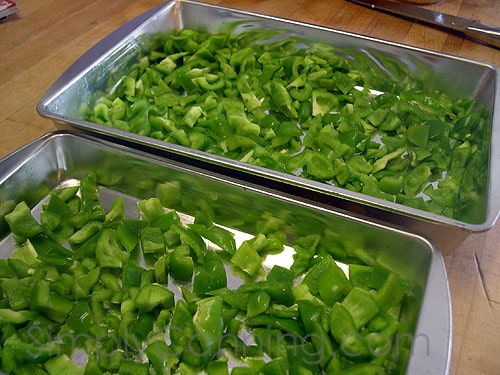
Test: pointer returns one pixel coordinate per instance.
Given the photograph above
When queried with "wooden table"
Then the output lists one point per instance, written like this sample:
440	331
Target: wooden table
46	36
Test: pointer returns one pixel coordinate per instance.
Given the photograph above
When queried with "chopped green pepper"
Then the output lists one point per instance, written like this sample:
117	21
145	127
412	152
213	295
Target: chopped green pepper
219	100
113	299
209	275
181	263
109	252
21	223
153	295
208	325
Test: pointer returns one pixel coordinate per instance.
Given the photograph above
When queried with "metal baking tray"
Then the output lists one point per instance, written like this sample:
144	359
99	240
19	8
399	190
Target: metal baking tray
450	74
62	157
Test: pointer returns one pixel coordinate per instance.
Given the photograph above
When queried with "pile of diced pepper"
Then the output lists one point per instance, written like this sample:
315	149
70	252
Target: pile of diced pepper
308	109
92	291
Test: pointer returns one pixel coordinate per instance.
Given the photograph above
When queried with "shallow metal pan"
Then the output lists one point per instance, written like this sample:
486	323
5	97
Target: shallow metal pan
450	74
34	170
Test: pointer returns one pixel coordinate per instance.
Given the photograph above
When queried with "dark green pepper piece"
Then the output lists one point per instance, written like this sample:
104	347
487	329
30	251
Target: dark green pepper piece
210	275
131	275
53	306
181	263
128	232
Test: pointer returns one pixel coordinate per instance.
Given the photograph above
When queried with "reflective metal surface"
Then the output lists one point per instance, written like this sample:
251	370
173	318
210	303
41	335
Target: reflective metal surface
472	28
435	71
31	172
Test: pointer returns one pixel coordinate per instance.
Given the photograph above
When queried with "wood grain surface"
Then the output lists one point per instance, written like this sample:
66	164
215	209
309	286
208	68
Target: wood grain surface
46	36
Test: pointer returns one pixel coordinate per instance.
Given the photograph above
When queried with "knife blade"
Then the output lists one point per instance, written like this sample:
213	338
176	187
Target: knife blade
472	29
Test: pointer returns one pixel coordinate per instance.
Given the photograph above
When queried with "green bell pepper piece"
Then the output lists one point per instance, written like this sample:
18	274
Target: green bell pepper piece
303	358
282	100
218	367
361	305
305	249
109	252
16	352
129	367
216	234
390	294
416	180
181	326
290	326
22	223
345	332
89	195
62	364
327	280
128	232
193	240
53	306
162	357
92	367
131	275
84	282
86	231
161	268
323	102
209	275
418	134
333	285
208	325
181	263
275	366
258	302
150	208
311	313
247	259
152	241
16	293
8	316
6	207
79	321
391	184
234	298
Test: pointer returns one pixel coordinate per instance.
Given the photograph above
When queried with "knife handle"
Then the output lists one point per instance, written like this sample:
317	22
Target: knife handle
486	34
